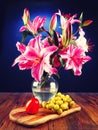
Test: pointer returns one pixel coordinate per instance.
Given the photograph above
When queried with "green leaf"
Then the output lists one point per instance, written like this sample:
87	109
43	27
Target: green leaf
25	34
81	17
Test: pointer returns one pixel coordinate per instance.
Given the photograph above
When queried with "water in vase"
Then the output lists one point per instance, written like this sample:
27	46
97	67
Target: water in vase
44	95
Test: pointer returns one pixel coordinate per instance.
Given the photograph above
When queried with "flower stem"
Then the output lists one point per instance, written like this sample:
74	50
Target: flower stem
43	81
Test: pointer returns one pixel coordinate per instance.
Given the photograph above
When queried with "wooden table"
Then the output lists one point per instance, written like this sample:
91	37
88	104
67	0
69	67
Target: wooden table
86	119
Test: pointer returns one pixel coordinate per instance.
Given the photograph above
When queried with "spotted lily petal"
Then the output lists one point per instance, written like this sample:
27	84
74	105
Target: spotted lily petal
36	57
75	58
20	47
37	23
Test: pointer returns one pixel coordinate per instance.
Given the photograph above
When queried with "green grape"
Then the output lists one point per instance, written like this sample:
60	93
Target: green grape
53	100
50	105
49	101
43	104
69	100
58	94
62	96
60	111
47	106
57	98
56	107
59	102
65	106
72	103
64	99
67	96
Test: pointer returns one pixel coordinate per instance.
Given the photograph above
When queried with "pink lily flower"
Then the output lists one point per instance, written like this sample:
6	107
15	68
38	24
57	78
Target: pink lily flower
75	58
53	23
81	41
66	27
26	16
33	26
20	47
65	22
36	56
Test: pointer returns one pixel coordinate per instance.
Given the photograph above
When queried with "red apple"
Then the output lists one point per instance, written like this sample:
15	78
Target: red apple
32	106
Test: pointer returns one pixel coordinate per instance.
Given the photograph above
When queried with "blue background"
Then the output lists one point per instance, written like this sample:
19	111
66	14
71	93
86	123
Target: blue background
11	11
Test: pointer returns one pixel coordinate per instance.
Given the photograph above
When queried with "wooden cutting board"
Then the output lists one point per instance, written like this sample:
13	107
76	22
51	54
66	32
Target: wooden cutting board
20	116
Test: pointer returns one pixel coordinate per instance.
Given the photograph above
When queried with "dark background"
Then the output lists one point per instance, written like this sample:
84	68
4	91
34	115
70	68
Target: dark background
11	11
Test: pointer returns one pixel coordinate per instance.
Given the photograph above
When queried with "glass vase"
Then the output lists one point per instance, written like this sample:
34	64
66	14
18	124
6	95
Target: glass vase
45	89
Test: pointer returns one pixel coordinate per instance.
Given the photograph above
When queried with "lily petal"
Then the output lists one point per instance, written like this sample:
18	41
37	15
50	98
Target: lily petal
21	47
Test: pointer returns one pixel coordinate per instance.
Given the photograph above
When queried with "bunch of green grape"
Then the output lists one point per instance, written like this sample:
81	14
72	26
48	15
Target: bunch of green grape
59	103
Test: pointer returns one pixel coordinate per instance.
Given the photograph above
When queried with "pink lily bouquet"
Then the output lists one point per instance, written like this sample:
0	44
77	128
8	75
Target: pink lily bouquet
46	52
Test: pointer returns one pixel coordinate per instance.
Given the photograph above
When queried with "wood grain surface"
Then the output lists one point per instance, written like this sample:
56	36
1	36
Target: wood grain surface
20	116
86	119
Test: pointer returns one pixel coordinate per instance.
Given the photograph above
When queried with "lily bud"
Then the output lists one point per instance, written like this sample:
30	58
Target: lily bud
53	23
26	16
